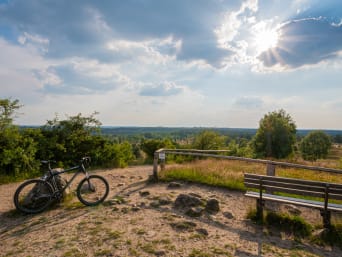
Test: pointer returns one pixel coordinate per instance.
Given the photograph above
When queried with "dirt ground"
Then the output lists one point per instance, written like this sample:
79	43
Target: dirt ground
139	219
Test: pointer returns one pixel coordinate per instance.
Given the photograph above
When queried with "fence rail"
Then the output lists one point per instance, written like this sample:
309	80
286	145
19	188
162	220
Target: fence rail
270	165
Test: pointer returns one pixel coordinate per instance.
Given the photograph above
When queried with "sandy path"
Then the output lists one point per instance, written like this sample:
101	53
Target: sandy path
132	224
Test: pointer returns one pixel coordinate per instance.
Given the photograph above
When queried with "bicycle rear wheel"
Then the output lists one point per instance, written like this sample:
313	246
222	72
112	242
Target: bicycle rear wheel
33	196
92	190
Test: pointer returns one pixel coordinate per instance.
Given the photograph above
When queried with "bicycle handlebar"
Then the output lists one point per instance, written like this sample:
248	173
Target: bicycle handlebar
85	160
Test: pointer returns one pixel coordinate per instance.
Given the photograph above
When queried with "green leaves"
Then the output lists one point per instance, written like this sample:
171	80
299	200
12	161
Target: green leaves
315	145
276	135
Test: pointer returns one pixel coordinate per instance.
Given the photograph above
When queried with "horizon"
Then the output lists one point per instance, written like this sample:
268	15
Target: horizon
193	127
174	63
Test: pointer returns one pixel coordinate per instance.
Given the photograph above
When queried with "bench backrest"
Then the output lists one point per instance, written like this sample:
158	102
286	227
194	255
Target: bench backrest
294	186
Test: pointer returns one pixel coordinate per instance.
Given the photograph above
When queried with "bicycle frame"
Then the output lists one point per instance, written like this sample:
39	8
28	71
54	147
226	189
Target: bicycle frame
53	174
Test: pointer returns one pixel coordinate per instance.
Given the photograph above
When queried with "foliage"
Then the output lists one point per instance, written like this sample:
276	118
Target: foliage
17	152
151	145
65	141
7	111
315	145
208	140
332	236
70	139
276	135
115	155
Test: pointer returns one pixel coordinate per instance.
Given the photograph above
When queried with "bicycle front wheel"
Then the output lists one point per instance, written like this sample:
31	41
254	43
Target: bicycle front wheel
33	196
92	190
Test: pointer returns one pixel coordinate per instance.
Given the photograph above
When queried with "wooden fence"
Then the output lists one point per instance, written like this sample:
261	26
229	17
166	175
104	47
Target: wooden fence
160	157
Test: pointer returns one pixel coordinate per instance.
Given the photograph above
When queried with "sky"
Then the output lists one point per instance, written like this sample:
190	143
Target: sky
179	63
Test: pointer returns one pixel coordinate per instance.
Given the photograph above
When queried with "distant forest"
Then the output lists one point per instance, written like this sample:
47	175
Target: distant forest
183	133
132	134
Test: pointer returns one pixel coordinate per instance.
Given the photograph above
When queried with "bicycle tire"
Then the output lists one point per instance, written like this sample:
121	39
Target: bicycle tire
94	193
33	196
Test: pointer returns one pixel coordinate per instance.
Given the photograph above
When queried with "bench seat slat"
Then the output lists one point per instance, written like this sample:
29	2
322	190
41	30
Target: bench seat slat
297	201
257	177
298	186
290	191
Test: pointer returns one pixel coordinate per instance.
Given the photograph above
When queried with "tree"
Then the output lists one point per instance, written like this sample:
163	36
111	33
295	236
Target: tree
315	145
70	139
7	111
149	146
276	135
17	151
208	140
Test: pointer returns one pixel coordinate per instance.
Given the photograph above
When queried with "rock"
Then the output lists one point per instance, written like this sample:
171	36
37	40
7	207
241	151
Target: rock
194	212
115	208
183	225
195	195
164	200
159	253
293	210
125	210
228	215
212	206
142	204
144	193
174	185
202	231
135	208
186	201
155	204
121	184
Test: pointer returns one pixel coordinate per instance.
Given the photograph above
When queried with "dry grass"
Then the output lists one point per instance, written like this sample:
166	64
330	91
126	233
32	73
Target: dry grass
228	173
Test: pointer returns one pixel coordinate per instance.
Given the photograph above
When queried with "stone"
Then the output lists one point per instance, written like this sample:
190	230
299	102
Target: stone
212	206
291	209
155	204
164	200
144	193
135	208
194	212
186	201
174	185
228	215
159	253
183	225
202	231
195	195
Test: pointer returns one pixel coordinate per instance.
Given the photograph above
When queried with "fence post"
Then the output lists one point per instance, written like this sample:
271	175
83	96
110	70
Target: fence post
155	165
270	169
162	158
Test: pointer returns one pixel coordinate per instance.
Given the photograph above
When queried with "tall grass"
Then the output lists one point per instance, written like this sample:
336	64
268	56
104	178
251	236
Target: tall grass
229	173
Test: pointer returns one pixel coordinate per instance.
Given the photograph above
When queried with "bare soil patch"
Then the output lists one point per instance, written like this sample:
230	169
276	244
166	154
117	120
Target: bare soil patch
139	219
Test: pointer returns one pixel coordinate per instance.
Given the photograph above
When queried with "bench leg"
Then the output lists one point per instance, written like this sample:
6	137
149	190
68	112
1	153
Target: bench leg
260	207
326	215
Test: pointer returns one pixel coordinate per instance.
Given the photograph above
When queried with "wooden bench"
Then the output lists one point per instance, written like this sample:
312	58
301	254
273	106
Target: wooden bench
268	188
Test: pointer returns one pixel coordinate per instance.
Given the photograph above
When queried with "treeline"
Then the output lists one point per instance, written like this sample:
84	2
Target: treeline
67	140
134	134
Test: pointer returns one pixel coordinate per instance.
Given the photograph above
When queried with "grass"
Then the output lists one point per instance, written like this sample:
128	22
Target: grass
293	225
229	174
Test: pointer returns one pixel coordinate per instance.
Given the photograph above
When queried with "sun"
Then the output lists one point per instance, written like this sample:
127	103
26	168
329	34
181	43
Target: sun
266	38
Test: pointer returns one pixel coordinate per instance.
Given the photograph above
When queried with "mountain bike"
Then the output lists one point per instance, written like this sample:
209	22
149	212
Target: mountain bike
35	195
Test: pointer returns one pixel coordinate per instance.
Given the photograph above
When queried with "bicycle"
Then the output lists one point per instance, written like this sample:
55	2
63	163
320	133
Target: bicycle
35	195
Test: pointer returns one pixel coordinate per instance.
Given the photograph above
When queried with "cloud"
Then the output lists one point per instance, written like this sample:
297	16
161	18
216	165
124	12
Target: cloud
163	89
303	42
249	102
83	28
81	76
